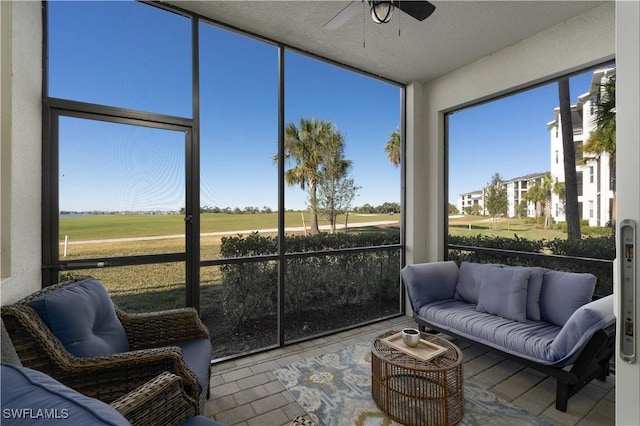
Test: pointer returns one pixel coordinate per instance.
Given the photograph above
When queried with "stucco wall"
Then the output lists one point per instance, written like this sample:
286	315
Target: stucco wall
582	41
22	142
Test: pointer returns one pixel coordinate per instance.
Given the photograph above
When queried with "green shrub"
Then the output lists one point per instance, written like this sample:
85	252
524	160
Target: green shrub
592	248
316	281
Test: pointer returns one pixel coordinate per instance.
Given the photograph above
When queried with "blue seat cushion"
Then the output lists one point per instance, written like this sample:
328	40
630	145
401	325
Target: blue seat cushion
81	315
31	397
532	340
200	421
197	355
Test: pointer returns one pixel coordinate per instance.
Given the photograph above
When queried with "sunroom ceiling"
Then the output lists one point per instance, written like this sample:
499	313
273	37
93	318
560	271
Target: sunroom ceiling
404	50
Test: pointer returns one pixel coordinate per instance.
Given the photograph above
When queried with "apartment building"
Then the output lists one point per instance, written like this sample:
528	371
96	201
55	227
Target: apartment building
467	202
516	190
595	196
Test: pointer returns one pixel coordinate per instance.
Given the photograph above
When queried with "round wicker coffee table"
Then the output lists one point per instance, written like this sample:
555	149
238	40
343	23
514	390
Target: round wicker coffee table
414	391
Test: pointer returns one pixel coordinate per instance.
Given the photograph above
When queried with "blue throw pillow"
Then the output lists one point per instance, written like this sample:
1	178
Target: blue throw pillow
503	292
533	290
81	315
563	293
469	277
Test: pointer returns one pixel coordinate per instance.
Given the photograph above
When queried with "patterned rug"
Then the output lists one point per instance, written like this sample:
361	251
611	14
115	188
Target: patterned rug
335	390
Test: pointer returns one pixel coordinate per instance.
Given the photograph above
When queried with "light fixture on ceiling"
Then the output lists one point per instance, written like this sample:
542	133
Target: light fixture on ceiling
381	11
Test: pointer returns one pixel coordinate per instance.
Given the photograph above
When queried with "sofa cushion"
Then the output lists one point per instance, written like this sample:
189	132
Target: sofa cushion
533	290
469	277
427	282
503	292
563	293
32	397
530	340
82	317
197	356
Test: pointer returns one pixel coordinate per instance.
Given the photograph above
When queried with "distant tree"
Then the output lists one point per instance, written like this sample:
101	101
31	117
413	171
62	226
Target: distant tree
453	209
388	207
495	197
366	208
521	209
603	138
336	190
392	148
571	208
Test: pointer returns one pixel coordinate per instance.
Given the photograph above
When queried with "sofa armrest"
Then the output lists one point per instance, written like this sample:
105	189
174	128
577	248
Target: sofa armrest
582	325
161	400
429	282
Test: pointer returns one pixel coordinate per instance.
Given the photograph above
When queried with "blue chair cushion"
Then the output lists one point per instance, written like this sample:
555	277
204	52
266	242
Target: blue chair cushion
200	421
31	397
81	315
197	356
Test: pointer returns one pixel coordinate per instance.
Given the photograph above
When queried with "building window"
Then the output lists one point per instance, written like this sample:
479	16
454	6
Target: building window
590	209
557	155
557	130
591	174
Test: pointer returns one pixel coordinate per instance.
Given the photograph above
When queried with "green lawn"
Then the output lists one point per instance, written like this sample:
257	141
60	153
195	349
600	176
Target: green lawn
94	227
469	226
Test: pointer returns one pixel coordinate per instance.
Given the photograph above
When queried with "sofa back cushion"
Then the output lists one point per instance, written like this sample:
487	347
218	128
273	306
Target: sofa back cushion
32	397
563	293
533	290
469	278
81	315
503	292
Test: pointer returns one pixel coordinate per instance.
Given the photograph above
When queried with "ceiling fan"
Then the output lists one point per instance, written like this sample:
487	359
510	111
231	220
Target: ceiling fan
381	11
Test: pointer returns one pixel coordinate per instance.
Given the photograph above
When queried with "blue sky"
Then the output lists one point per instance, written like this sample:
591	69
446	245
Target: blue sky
508	136
137	57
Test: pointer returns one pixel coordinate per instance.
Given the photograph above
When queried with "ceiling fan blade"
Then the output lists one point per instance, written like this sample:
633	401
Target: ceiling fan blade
420	10
344	15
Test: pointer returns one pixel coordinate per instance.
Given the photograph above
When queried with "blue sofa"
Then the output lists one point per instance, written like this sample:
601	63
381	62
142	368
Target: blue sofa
542	318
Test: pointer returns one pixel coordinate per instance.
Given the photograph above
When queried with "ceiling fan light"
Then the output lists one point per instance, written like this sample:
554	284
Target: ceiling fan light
381	11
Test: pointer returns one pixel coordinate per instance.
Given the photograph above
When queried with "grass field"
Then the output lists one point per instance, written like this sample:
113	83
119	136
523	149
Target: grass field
95	227
481	225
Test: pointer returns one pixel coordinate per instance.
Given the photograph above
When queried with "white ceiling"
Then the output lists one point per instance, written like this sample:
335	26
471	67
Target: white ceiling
458	32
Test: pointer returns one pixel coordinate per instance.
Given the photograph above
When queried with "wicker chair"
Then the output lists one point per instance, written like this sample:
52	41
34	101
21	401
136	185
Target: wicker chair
154	343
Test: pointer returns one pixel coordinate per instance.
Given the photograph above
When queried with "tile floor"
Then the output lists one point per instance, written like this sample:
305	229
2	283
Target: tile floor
246	393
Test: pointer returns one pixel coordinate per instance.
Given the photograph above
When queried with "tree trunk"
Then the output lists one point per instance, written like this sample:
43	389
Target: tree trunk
313	201
569	151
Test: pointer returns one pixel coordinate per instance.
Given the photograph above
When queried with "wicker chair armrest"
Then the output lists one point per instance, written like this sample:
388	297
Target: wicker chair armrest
150	330
109	377
160	401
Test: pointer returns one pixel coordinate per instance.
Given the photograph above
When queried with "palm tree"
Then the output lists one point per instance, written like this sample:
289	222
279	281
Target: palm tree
392	148
603	139
572	210
307	146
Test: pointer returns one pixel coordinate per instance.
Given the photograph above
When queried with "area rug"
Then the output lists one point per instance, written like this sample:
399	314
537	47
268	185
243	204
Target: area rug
335	390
